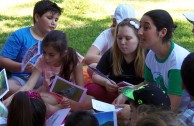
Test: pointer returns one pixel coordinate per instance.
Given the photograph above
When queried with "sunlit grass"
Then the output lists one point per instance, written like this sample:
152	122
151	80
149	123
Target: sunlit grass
83	20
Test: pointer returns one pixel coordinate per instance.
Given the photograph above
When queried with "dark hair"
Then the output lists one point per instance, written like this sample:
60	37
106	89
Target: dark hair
43	6
187	72
81	118
26	111
58	40
162	19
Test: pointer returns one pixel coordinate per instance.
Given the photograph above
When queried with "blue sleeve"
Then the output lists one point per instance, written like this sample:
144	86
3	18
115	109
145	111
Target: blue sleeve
11	47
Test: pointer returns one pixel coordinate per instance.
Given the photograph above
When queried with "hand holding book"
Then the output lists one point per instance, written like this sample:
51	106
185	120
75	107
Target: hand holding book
100	74
29	67
111	86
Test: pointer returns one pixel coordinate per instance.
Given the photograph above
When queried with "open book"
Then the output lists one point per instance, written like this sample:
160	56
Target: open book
67	89
4	87
3	111
120	84
103	106
31	55
124	83
58	117
107	113
106	118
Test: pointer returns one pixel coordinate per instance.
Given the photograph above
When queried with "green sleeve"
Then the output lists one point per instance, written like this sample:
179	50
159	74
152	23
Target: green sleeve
175	83
148	74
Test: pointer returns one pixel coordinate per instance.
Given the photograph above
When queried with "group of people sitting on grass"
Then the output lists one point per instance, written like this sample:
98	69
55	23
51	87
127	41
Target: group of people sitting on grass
138	52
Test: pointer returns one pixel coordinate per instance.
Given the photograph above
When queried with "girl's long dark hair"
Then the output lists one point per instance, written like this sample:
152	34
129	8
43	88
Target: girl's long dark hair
69	64
58	40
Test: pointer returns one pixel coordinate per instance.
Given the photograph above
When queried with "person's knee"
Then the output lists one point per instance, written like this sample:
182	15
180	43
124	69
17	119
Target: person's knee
13	85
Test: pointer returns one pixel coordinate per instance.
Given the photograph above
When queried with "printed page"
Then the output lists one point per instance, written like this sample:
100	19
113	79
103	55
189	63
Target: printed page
96	71
106	118
4	87
104	107
67	89
32	53
58	117
124	83
3	110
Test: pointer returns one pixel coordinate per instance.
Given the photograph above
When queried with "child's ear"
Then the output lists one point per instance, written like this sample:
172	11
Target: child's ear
36	17
162	32
64	53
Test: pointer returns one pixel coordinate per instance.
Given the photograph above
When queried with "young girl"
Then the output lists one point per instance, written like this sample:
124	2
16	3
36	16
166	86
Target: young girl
106	39
123	62
26	109
143	100
57	59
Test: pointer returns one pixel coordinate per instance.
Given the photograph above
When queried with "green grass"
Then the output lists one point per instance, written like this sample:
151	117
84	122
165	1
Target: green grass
83	20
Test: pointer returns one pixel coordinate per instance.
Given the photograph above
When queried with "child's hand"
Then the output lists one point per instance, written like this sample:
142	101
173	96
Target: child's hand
120	89
29	68
121	99
111	87
7	101
65	102
124	113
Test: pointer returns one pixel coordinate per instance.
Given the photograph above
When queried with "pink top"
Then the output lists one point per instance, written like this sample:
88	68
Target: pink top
48	72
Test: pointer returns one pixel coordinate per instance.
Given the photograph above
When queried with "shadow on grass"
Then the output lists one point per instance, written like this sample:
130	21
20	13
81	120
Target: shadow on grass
82	37
12	22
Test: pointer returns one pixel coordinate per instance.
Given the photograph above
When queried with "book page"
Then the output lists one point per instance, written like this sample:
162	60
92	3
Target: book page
106	118
32	53
124	83
3	110
58	117
4	87
104	107
67	89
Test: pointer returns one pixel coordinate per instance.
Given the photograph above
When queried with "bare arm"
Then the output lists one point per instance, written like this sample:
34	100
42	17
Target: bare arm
9	64
109	86
98	79
78	74
93	55
30	84
175	101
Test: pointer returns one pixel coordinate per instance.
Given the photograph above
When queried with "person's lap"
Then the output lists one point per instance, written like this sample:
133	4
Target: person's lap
16	82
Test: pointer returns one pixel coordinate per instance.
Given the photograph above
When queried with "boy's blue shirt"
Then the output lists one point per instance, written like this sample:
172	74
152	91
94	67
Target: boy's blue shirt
16	46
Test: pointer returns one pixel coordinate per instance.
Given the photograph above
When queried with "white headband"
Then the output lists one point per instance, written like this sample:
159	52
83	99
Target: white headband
135	25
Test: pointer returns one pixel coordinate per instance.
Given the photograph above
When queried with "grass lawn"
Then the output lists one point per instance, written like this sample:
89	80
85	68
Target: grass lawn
83	20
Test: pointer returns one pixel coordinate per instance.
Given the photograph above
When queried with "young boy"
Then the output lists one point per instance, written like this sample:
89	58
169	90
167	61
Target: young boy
145	95
187	72
45	17
190	18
